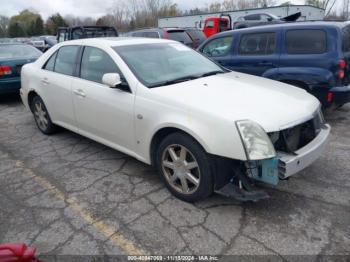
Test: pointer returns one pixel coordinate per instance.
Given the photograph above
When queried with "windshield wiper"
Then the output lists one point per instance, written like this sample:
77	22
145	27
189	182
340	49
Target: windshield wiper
212	73
186	78
175	81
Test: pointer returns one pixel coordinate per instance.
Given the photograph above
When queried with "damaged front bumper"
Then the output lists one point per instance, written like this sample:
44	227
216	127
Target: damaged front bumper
270	171
290	164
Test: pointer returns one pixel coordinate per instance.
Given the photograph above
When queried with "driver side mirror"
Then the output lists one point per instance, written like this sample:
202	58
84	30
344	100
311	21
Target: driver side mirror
111	79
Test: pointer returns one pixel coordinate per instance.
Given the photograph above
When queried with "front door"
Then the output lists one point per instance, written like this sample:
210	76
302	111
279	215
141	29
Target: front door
103	113
220	50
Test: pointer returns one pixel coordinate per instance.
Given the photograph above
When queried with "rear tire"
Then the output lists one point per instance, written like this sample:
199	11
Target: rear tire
184	167
42	117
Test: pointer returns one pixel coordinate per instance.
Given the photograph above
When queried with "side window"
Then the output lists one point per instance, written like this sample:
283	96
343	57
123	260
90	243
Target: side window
346	39
254	17
306	41
151	34
257	44
95	63
138	34
265	18
218	47
210	24
50	64
62	36
77	33
66	60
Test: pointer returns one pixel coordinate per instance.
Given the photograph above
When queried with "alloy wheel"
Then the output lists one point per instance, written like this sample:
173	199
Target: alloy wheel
181	169
40	115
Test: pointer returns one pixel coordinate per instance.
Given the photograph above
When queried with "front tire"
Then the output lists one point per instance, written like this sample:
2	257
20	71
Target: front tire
184	167
42	117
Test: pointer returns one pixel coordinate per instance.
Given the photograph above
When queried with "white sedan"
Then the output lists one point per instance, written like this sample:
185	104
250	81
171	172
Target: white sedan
205	129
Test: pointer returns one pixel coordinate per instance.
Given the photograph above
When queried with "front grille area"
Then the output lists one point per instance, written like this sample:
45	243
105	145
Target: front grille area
291	139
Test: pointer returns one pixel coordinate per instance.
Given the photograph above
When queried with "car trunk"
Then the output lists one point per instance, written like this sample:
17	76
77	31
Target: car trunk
15	67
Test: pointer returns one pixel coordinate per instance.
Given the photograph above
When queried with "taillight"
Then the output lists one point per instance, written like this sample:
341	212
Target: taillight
342	64
5	70
329	97
341	74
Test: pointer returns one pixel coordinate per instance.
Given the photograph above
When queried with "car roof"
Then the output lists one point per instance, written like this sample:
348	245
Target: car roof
13	43
158	29
296	25
117	41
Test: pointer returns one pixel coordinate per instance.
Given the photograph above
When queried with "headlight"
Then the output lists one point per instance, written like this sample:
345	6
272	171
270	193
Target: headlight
256	142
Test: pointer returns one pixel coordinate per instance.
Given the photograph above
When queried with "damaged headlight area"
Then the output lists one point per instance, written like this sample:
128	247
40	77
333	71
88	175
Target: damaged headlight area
256	142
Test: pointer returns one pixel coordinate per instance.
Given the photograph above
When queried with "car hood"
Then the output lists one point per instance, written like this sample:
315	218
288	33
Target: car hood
236	96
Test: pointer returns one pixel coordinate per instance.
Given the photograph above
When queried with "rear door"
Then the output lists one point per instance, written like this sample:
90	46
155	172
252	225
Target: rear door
256	53
56	80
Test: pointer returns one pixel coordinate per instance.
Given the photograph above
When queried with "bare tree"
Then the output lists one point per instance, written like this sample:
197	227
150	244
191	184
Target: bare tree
229	4
4	24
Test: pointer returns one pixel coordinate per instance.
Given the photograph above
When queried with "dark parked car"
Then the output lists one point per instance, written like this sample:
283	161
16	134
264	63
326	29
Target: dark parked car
79	32
197	36
12	57
262	19
177	34
314	56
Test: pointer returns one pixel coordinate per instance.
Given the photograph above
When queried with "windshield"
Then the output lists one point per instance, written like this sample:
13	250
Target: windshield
18	52
166	63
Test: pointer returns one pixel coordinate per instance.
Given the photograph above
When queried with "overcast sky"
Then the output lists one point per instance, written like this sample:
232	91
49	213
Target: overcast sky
94	8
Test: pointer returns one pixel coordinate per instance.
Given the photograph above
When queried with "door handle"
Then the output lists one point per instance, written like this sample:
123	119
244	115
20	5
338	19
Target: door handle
45	81
79	92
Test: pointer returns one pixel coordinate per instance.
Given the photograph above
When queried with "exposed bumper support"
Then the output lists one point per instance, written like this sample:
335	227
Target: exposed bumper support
291	164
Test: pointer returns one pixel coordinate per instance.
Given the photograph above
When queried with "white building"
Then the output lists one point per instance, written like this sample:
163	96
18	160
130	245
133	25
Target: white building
307	13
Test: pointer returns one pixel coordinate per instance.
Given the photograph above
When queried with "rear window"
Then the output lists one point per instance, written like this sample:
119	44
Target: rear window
196	35
346	39
18	52
180	36
306	41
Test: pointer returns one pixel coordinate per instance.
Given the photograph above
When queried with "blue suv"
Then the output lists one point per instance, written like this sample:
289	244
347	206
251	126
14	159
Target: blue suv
314	56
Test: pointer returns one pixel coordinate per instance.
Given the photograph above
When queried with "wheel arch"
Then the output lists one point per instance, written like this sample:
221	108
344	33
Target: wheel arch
163	132
30	97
